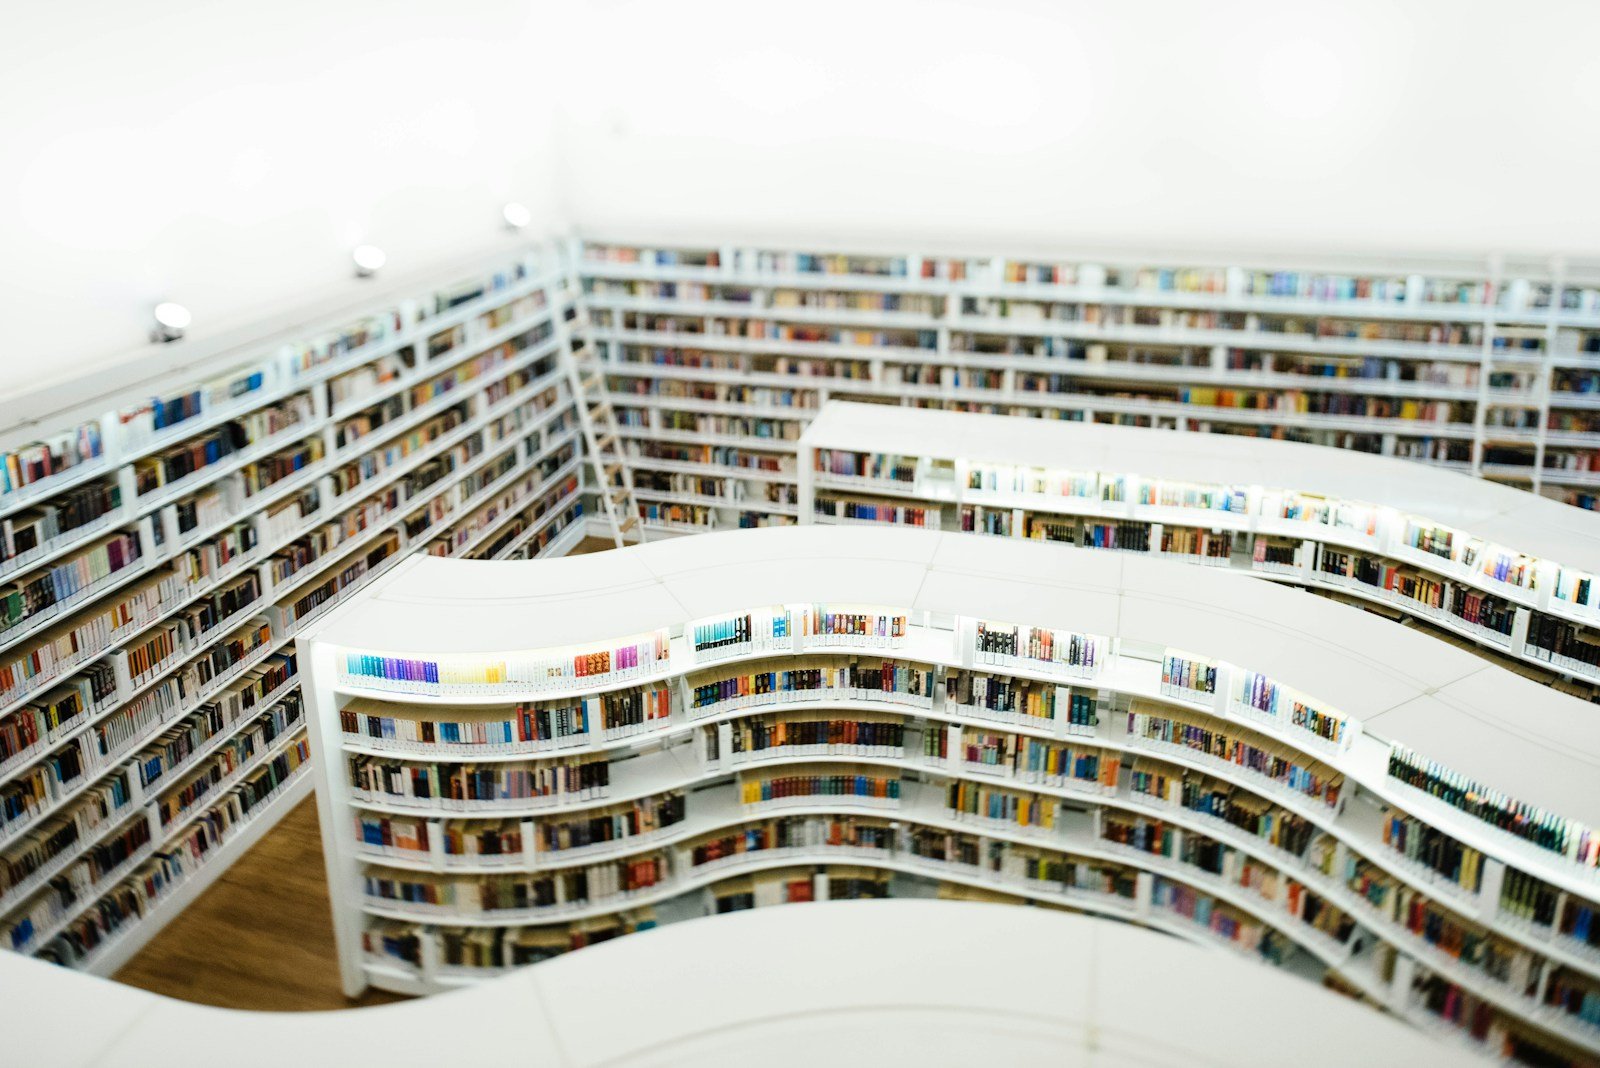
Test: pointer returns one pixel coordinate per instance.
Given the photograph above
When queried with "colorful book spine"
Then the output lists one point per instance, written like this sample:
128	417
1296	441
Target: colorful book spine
1003	806
1181	674
882	788
512	673
1546	830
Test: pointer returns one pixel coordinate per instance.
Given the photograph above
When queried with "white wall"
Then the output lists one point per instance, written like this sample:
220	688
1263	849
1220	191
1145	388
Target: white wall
228	156
1391	126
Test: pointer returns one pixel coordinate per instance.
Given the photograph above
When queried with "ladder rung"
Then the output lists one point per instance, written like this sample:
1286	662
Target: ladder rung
628	524
593	381
605	441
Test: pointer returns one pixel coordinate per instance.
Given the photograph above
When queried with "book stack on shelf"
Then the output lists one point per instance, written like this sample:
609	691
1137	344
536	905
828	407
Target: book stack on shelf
720	356
158	561
1194	772
1508	573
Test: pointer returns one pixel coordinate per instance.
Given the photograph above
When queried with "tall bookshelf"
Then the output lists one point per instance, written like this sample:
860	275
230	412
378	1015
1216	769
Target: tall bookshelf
1507	571
551	754
720	355
161	553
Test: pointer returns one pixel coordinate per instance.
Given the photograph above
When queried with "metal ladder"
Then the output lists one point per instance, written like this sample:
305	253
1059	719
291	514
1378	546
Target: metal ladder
603	445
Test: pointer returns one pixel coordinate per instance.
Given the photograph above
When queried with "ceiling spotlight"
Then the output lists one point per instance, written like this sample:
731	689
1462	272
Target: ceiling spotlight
517	215
171	321
369	260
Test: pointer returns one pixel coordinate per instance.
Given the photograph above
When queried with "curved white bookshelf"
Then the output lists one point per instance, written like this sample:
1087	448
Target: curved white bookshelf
1273	509
1384	691
938	983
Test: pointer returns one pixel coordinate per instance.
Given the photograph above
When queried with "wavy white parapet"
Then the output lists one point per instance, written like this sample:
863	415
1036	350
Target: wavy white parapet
929	983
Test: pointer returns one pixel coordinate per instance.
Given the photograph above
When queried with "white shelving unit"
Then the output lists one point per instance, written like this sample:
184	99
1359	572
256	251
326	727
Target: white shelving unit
694	624
1275	510
1485	367
434	419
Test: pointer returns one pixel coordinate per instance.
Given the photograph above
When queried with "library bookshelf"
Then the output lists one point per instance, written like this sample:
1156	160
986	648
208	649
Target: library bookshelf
719	355
1508	571
514	760
855	982
161	551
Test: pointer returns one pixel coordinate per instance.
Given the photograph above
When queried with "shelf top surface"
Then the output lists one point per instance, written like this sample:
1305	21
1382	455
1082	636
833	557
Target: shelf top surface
1509	732
897	981
1515	519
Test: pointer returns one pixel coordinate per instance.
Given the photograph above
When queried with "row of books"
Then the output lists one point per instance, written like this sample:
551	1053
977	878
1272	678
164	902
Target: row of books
530	672
853	679
1021	700
641	453
33	463
1203	795
386	779
1433	849
863	511
742	632
44	787
1544	829
998	642
224	767
639	817
29	730
1560	642
873	466
494	728
1037	760
755	790
761	734
730	397
973	799
30	532
66	580
1097	280
1236	746
792	833
1188	676
590	884
1261	698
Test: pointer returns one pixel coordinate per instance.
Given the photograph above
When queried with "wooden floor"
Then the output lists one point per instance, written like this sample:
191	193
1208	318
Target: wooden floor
261	937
